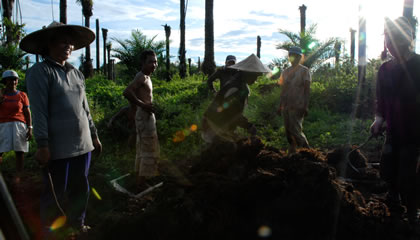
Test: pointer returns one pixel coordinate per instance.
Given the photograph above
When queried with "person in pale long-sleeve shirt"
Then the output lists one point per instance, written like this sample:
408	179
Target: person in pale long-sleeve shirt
294	99
63	127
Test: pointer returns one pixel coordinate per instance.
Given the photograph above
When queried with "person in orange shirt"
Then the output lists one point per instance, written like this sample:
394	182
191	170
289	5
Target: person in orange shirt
15	120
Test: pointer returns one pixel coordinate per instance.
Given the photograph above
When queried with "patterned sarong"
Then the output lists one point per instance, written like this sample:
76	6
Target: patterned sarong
147	146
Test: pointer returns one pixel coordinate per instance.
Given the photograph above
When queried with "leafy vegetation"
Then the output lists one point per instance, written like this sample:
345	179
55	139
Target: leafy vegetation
315	51
130	50
180	105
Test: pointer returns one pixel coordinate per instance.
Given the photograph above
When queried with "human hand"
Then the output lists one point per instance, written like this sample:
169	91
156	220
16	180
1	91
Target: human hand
98	146
29	134
43	156
376	128
148	107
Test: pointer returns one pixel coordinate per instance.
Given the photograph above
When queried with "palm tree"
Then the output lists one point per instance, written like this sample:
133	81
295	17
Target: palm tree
314	50
182	64
209	66
7	14
168	62
130	50
63	11
12	57
87	6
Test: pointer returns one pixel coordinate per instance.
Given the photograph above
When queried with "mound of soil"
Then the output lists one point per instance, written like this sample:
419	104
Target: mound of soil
245	190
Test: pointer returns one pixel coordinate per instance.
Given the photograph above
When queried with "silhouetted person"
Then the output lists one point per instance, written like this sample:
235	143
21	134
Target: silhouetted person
294	99
224	74
398	105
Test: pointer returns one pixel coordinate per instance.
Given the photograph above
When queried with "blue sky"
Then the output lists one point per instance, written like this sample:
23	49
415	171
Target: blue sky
237	22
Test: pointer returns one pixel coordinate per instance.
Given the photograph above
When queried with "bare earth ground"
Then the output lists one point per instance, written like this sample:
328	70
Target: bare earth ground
241	190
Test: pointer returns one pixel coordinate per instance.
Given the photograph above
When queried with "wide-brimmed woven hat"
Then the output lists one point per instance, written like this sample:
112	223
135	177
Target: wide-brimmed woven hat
37	41
400	29
251	64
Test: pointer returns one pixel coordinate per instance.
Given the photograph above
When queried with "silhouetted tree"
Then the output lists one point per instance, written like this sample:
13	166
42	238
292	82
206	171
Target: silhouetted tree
104	36
168	62
182	64
63	11
7	14
314	50
209	66
302	10
258	46
87	6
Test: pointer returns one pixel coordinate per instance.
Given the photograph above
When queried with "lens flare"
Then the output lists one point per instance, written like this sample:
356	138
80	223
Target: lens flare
179	136
193	128
225	105
275	70
58	223
311	45
220	109
264	231
96	194
362	36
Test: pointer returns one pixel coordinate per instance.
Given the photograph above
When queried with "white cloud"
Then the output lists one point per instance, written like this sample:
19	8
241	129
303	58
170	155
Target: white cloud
245	18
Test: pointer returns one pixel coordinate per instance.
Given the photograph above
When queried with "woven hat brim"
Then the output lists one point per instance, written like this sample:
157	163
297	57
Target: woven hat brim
36	42
251	64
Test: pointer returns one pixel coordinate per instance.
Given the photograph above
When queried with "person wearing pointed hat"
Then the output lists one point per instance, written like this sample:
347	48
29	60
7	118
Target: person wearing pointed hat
15	120
294	99
398	112
225	113
223	74
63	127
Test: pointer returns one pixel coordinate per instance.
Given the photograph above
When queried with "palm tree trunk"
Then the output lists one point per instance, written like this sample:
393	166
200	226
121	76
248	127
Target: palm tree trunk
209	65
88	62
168	63
302	18
63	11
258	46
7	13
97	46
182	64
408	13
104	34
108	48
352	44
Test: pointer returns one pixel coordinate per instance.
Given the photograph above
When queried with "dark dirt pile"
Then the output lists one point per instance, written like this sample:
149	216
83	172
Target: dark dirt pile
246	190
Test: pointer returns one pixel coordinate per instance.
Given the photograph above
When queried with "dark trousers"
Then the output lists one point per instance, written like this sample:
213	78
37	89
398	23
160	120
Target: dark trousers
71	187
398	170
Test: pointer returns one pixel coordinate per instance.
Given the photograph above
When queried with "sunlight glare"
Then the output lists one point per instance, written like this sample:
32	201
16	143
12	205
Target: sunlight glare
179	136
311	45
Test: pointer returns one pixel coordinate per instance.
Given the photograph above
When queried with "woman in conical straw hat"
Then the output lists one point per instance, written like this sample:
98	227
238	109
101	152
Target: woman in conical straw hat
225	113
63	126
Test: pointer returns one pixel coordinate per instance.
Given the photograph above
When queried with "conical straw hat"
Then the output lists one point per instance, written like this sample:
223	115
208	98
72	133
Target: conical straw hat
251	64
37	41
